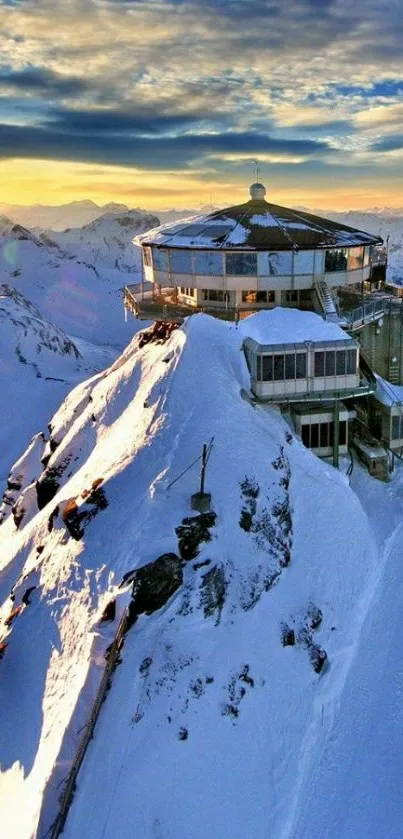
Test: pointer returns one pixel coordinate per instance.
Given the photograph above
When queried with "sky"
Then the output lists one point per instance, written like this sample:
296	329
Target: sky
167	103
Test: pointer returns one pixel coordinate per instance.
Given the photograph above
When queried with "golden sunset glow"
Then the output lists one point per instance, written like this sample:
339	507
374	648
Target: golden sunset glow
161	104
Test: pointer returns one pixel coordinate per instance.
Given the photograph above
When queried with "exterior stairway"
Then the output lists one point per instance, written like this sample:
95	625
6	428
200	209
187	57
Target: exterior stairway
325	299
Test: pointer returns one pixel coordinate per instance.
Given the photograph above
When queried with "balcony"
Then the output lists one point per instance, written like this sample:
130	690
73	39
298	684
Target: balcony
163	305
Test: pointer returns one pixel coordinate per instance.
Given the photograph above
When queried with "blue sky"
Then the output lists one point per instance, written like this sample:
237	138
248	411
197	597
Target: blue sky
136	99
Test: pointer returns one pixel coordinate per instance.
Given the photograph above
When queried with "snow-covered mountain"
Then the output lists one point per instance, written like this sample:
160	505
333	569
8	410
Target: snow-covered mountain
39	364
59	217
107	244
216	721
67	291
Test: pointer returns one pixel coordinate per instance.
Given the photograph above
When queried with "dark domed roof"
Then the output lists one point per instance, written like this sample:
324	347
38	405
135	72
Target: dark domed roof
258	225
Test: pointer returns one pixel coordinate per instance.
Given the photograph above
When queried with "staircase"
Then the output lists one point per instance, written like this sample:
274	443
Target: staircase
326	301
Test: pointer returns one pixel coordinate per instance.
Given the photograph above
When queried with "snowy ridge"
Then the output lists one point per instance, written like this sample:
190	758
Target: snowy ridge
67	292
36	359
205	683
107	243
59	217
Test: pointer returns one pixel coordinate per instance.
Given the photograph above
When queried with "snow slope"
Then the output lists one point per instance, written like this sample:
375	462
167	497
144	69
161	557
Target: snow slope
211	727
39	364
68	292
107	244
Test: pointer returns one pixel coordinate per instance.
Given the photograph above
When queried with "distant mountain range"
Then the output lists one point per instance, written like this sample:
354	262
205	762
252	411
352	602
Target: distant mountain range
75	214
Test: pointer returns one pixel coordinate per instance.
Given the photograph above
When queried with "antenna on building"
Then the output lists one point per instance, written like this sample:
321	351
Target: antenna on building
256	162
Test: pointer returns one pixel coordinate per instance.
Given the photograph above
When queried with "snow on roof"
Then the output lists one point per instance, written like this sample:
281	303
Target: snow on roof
283	326
388	394
263	225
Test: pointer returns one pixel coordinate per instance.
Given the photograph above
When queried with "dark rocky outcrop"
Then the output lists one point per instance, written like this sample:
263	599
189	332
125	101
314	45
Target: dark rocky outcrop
287	635
193	531
154	584
213	589
76	517
109	612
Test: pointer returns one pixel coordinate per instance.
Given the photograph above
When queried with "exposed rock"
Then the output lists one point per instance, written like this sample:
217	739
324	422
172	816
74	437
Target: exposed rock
249	491
287	635
109	612
183	734
154	584
26	597
193	531
76	516
48	484
314	617
317	657
213	589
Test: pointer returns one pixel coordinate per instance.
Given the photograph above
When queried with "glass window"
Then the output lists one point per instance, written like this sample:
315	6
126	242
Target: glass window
367	255
340	362
336	259
181	262
275	263
215	295
147	257
330	363
243	264
188	292
301	365
291	296
208	263
248	296
303	262
355	258
257	296
160	258
351	361
314	435
395	428
324	435
319	364
267	365
305	435
278	368
290	366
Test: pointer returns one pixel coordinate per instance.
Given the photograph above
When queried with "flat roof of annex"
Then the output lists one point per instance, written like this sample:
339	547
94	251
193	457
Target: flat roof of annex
256	225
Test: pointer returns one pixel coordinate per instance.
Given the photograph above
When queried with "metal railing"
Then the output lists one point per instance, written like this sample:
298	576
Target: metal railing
68	792
371	310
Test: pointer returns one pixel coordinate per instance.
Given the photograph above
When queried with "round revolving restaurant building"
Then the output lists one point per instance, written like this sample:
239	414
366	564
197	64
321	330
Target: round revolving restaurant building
252	256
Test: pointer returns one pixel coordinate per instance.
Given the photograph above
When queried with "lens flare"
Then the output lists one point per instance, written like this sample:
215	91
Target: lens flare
10	251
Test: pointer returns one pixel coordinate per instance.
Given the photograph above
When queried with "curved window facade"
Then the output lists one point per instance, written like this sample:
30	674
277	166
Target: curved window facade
208	263
181	261
275	263
217	263
160	259
336	259
241	264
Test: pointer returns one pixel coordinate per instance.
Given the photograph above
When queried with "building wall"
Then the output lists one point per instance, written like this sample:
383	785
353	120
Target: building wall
274	270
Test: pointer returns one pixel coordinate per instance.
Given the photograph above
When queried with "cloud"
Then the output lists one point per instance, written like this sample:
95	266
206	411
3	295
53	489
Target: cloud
42	80
177	83
393	142
154	153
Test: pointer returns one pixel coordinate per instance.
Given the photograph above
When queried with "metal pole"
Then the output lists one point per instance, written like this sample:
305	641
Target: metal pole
336	434
203	468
